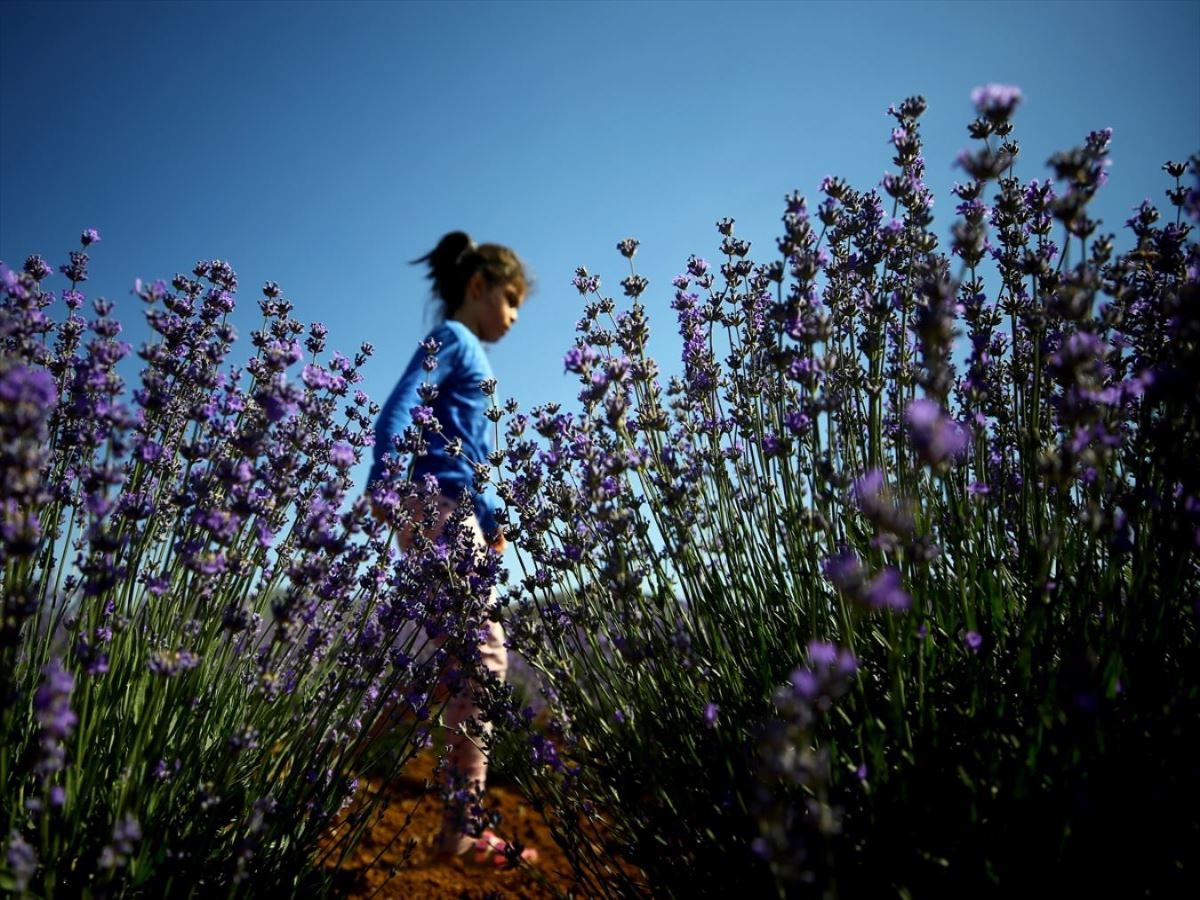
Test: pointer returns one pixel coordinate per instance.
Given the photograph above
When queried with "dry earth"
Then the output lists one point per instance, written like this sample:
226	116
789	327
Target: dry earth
397	860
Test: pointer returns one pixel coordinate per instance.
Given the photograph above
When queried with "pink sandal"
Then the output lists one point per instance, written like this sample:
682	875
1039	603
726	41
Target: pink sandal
489	844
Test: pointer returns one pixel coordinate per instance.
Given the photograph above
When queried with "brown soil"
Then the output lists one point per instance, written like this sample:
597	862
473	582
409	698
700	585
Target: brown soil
396	858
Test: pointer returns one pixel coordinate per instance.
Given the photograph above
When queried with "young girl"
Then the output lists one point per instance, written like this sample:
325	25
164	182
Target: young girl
481	288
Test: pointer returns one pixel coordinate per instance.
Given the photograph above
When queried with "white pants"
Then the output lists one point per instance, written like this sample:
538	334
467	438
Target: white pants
467	759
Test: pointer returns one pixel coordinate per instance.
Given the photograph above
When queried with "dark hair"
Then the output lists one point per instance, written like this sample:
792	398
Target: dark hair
457	258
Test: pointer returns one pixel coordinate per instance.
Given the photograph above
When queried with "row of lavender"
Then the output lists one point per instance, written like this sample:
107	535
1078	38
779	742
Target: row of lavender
837	608
204	624
854	605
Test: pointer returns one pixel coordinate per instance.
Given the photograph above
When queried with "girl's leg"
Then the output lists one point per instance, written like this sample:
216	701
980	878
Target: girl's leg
467	760
466	757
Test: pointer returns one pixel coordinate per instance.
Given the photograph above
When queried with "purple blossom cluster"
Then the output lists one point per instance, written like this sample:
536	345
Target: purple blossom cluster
873	422
790	764
187	566
846	573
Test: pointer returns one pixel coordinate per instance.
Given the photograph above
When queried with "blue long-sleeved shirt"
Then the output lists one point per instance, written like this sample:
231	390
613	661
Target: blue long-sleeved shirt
459	407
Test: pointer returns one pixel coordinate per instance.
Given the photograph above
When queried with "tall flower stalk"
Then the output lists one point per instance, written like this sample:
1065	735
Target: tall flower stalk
204	625
965	474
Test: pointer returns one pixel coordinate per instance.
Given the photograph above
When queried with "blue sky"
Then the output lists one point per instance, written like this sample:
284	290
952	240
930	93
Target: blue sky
323	145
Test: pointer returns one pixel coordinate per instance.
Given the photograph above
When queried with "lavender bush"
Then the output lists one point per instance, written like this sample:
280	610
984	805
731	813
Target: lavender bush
202	629
856	604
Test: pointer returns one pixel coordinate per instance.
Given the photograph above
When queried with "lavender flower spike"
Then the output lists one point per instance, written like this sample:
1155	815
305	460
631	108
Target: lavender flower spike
22	861
996	102
885	592
934	435
52	702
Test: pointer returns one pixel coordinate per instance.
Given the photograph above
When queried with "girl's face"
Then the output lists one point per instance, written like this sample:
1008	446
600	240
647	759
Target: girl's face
498	311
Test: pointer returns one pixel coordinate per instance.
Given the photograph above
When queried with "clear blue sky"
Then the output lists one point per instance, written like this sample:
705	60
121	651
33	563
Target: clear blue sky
323	145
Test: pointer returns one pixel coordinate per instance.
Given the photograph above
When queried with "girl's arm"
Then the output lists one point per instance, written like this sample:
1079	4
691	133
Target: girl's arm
396	415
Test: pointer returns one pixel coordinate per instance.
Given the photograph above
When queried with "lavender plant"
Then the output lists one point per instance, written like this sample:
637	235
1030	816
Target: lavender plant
854	603
203	628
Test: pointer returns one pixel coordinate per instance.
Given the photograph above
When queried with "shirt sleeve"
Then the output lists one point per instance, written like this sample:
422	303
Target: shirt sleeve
475	363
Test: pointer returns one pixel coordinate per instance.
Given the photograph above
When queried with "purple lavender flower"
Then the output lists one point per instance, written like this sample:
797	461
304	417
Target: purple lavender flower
579	359
341	455
278	399
634	285
27	398
822	654
876	503
316	377
148	451
884	591
169	663
89	237
315	342
76	269
996	102
22	861
585	283
711	711
798	423
52	702
36	268
845	573
814	687
868	486
973	640
543	752
126	832
831	659
934	435
805	683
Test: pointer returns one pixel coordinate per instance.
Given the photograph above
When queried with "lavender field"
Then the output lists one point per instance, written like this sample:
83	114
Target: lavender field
892	591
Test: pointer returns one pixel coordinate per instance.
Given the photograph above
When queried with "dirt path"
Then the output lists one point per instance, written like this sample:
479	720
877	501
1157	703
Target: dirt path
386	866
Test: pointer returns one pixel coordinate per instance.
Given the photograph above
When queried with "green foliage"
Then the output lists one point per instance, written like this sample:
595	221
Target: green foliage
1002	533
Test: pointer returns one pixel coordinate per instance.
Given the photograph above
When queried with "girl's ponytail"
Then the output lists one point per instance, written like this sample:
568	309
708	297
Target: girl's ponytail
456	258
446	271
